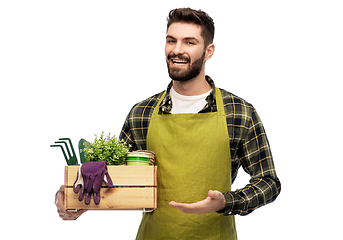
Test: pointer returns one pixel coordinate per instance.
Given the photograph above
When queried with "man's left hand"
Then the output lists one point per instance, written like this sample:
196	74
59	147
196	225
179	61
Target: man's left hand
214	202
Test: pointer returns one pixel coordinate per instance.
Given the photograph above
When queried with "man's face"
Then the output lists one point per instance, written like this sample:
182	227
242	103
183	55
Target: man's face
185	51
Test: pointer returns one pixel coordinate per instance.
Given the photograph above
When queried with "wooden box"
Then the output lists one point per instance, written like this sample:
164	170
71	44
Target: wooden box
135	188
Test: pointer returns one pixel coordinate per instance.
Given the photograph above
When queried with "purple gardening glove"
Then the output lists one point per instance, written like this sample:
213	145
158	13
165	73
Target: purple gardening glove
89	179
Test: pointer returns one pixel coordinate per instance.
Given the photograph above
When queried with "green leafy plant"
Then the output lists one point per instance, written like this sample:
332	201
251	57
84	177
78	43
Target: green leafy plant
106	148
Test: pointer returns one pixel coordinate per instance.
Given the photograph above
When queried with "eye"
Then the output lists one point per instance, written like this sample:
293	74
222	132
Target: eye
190	43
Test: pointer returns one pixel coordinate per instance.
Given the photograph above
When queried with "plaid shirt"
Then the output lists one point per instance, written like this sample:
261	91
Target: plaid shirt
248	144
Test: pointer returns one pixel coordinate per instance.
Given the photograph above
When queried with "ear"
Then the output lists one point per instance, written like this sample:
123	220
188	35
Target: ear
209	51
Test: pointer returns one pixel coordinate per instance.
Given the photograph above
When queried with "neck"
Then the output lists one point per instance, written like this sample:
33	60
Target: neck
192	87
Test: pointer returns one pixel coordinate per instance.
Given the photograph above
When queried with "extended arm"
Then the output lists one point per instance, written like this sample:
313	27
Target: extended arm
256	158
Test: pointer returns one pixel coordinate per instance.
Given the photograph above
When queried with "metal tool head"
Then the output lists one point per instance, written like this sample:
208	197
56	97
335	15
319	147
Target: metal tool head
71	159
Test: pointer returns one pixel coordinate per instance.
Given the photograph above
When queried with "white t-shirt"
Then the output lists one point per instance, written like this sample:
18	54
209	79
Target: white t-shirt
187	104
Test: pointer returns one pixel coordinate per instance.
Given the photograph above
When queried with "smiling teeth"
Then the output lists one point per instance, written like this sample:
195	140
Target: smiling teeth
179	62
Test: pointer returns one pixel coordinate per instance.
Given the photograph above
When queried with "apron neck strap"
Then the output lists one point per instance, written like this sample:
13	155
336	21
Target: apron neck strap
219	101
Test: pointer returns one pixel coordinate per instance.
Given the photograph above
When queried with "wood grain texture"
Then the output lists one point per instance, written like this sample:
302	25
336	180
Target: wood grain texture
120	175
135	189
115	199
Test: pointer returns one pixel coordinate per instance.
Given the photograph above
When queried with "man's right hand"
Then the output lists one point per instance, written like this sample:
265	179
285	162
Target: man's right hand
59	202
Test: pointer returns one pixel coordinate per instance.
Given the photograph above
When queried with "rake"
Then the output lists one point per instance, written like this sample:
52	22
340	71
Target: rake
71	158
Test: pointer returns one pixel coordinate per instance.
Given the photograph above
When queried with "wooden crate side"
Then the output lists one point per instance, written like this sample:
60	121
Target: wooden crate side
155	199
121	175
116	199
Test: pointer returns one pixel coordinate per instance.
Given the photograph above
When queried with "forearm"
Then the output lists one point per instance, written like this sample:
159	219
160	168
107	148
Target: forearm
254	195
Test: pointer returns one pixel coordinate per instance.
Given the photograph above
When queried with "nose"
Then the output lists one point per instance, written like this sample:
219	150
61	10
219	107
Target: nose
178	49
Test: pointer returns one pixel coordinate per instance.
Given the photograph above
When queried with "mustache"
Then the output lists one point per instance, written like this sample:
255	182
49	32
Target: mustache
179	56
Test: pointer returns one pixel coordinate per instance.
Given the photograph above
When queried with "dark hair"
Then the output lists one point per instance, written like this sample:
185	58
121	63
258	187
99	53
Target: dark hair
197	17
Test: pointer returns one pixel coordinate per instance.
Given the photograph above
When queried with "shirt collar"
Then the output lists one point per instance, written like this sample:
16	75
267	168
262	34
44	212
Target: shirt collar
166	104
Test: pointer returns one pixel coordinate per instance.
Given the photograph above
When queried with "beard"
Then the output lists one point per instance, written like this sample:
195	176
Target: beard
182	75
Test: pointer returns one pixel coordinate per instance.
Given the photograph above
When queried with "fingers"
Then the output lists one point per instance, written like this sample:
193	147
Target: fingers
59	202
214	202
177	205
62	187
63	213
185	207
173	203
59	198
72	215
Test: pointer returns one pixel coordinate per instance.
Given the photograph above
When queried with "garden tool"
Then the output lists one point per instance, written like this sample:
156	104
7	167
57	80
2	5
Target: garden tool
70	159
81	147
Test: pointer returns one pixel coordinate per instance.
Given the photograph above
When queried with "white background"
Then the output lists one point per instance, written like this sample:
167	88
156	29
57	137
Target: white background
75	68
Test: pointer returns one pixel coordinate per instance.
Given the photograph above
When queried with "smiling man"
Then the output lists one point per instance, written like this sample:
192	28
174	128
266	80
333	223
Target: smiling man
201	136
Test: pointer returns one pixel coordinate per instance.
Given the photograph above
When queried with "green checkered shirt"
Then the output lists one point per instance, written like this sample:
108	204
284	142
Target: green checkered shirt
248	144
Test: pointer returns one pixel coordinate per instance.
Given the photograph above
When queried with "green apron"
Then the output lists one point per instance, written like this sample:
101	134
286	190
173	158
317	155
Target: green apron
193	157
